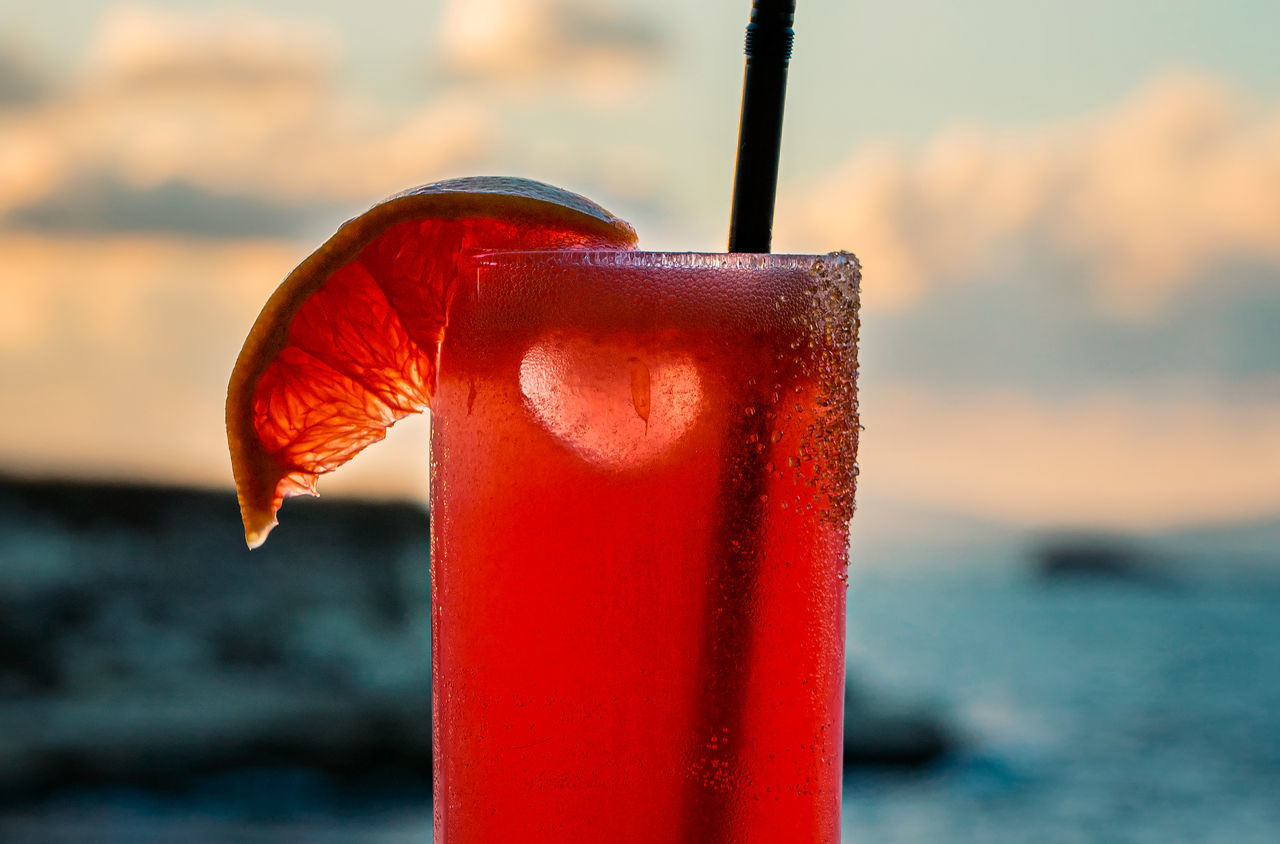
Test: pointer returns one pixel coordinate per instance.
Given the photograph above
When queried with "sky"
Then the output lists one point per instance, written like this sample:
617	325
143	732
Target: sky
1068	215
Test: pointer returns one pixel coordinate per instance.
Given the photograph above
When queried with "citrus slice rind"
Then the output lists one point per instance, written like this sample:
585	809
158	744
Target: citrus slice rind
348	343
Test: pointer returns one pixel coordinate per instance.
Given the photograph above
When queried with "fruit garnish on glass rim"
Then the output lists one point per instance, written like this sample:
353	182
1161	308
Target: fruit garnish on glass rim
348	343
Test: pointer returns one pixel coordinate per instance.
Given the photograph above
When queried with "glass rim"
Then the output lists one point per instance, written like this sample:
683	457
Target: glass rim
641	259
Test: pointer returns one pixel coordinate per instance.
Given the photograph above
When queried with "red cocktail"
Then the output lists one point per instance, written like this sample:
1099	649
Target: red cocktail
642	475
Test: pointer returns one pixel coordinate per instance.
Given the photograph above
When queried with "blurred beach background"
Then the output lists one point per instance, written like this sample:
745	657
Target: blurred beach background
1066	556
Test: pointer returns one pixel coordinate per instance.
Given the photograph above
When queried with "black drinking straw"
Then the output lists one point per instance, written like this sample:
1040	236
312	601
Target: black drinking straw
764	91
735	583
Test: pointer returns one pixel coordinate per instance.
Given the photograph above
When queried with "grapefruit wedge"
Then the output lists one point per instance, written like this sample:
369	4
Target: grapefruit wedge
348	343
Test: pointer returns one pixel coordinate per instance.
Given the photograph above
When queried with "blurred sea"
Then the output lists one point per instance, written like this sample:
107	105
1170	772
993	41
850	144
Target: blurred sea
1090	708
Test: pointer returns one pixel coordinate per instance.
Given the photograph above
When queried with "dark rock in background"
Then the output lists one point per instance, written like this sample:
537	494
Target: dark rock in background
142	644
1096	557
882	733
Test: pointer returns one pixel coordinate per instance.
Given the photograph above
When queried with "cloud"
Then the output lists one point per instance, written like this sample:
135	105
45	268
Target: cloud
224	106
1048	337
115	353
138	49
1106	461
1072	325
20	82
583	47
1134	205
104	205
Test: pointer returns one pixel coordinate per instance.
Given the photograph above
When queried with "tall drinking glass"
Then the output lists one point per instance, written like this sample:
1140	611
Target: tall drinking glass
642	477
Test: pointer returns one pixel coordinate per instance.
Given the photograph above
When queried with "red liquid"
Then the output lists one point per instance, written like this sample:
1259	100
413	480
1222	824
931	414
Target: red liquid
640	492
